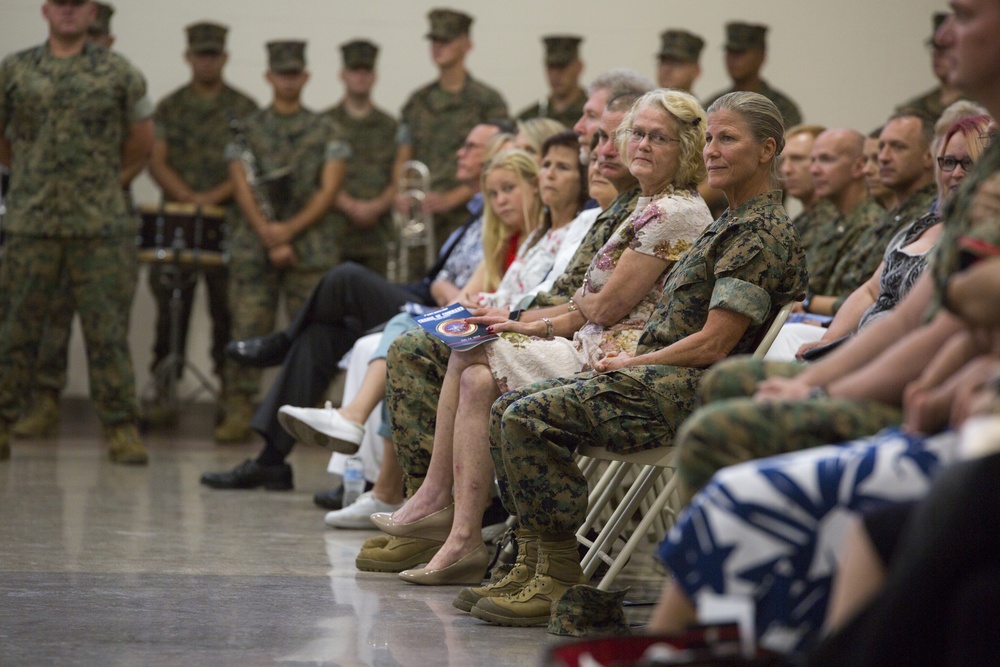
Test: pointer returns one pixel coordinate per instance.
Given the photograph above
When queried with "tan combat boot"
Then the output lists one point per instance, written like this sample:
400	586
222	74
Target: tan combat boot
515	579
235	426
558	569
42	418
125	445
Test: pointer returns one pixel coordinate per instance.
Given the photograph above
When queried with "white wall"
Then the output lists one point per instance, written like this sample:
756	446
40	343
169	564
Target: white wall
846	62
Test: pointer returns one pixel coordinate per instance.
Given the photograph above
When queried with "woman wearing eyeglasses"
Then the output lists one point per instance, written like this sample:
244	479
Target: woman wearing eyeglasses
660	141
960	143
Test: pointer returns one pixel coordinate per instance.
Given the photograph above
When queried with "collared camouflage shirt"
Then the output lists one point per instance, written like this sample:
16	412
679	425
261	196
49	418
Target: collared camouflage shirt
301	142
435	122
858	265
568	116
197	130
67	120
749	261
929	104
789	110
842	240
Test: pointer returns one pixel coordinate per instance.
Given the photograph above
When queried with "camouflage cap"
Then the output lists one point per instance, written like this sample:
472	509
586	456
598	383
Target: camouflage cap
561	50
680	45
286	56
448	24
205	37
359	53
101	25
584	610
745	36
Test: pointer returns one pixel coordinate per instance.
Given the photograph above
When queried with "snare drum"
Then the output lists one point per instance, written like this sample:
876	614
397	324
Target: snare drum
182	233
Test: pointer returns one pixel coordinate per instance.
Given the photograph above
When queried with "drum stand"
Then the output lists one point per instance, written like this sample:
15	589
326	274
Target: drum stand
180	272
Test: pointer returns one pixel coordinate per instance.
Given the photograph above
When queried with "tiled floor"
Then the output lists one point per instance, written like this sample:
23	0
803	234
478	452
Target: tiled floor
103	564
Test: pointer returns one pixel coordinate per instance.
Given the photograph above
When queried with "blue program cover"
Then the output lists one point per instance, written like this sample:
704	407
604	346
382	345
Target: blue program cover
449	325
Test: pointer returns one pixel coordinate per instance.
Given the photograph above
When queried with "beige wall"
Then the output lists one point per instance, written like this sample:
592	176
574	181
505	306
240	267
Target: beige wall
846	62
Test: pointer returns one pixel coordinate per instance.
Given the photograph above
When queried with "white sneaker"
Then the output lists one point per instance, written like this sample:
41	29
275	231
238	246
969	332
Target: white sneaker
357	515
324	427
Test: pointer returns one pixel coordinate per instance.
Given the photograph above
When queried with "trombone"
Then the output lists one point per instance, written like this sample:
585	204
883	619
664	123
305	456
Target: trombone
414	227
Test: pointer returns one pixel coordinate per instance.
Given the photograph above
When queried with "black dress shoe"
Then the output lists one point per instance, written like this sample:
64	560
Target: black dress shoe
334	498
250	475
260	351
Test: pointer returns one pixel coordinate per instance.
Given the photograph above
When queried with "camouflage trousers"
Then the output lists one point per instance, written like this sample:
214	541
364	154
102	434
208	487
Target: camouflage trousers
416	364
101	276
53	352
732	427
255	288
535	431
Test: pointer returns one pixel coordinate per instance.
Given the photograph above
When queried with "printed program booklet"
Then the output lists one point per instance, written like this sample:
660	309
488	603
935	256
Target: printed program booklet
449	325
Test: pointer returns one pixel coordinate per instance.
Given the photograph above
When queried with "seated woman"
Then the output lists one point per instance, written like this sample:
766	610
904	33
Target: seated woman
905	258
333	428
718	300
533	133
770	530
607	316
563	192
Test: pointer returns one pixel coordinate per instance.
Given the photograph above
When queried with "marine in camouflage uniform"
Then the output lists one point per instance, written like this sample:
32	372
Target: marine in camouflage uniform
725	432
436	118
859	262
294	150
70	113
836	239
747	40
933	103
371	134
41	418
192	132
563	67
417	361
749	262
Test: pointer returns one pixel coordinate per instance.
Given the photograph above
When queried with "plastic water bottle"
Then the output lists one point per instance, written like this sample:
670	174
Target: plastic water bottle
354	479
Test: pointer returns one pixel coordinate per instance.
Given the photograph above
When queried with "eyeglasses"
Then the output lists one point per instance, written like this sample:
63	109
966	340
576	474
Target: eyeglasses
655	138
949	163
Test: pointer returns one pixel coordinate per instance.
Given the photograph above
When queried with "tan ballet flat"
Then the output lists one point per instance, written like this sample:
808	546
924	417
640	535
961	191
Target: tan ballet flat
434	526
470	569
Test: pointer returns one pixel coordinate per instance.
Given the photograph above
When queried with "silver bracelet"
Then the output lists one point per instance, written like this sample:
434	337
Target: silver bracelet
548	328
817	392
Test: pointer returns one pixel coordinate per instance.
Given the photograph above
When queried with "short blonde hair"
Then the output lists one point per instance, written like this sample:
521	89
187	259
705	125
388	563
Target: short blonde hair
690	119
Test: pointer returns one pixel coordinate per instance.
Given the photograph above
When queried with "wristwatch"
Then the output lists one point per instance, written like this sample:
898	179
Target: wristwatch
806	302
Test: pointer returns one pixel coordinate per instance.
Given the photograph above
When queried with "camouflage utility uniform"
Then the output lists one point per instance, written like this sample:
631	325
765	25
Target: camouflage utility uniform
305	142
857	264
67	120
196	130
417	361
838	244
434	123
725	432
369	172
568	116
750	262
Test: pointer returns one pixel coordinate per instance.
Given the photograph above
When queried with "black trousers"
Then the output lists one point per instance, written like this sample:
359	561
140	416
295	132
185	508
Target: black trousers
348	301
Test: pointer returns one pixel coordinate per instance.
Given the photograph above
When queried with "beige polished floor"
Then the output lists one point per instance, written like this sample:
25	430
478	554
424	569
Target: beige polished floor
102	564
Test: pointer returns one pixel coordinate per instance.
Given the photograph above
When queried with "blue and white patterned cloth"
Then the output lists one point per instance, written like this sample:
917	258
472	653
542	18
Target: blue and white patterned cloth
771	530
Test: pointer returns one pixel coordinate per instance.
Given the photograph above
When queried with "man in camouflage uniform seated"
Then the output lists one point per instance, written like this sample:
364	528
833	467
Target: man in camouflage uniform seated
76	110
287	244
907	168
